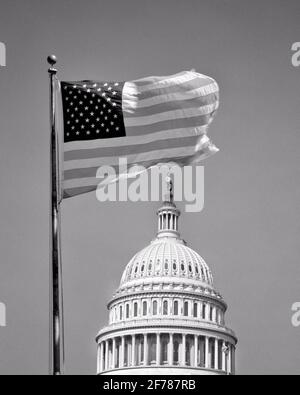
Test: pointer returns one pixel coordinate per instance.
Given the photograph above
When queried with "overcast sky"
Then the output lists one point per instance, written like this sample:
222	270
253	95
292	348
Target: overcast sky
249	230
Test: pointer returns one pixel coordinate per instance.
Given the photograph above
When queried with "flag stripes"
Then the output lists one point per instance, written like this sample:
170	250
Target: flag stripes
165	120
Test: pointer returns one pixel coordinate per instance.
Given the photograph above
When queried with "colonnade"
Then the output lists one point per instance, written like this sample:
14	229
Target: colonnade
166	349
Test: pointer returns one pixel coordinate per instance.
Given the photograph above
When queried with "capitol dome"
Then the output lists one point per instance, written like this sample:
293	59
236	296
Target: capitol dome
167	260
166	317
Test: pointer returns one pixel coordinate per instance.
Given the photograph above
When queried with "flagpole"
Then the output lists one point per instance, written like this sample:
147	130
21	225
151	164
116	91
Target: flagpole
56	306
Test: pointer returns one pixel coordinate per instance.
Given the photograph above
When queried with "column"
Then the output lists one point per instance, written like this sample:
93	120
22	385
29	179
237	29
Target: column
113	362
214	315
200	310
171	349
207	311
216	354
98	358
229	360
133	351
145	349
122	350
223	356
158	349
206	352
183	349
106	355
196	350
233	359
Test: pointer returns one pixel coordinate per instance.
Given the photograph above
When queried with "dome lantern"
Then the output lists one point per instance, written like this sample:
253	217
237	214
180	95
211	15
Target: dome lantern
168	214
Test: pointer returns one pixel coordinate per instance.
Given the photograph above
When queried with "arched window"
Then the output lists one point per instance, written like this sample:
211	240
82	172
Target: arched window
211	313
144	308
186	309
127	311
176	307
204	311
121	313
154	307
135	309
165	307
195	309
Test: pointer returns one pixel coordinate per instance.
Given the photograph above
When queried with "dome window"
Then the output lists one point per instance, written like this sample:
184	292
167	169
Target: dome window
190	269
182	267
165	307
176	307
154	307
204	311
195	310
144	308
186	309
174	266
142	268
135	309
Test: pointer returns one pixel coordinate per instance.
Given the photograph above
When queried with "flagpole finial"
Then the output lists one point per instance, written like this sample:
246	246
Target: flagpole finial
52	59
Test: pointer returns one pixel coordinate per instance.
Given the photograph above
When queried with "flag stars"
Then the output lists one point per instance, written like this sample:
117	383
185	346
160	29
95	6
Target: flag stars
94	111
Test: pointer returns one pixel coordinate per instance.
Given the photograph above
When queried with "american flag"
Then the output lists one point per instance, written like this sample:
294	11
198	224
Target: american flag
147	121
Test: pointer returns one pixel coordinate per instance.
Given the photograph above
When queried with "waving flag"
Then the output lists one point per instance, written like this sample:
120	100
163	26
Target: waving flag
147	121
